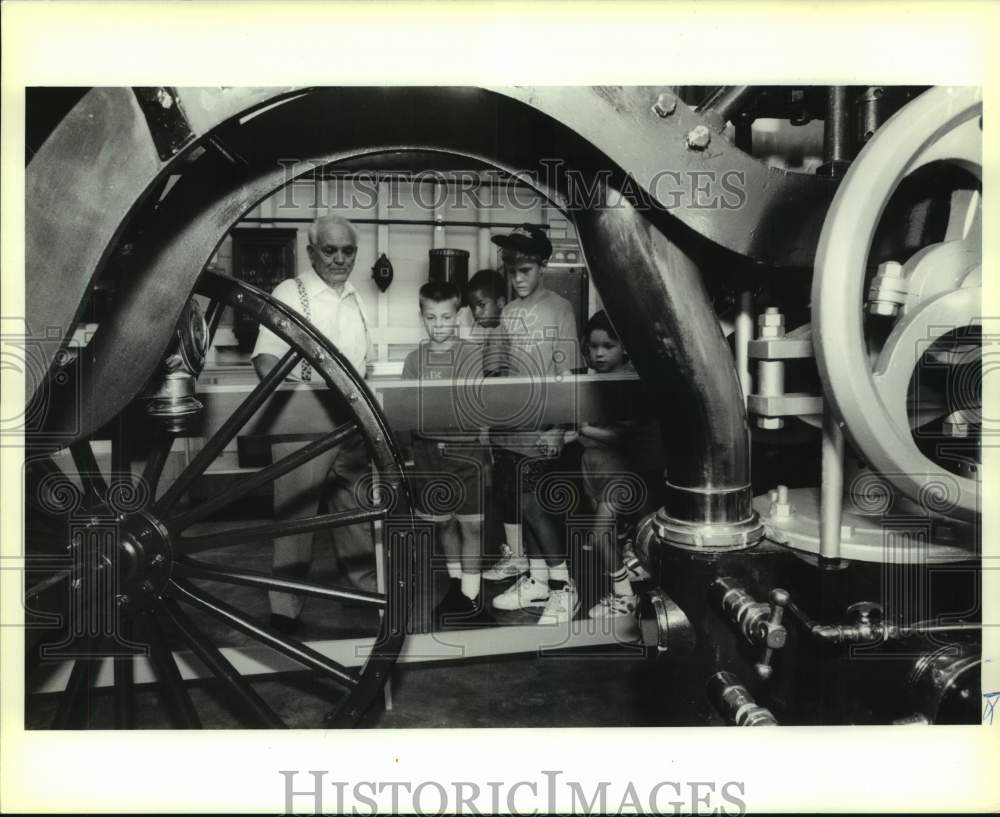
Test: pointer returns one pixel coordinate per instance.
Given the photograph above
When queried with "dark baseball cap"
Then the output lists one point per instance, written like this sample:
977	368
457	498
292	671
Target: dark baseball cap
528	239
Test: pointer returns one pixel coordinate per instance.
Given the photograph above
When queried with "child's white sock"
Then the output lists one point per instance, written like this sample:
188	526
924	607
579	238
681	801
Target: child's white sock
539	570
470	584
454	570
620	583
559	576
512	533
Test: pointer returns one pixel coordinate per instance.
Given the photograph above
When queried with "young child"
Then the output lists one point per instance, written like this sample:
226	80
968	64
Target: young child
539	339
604	458
487	297
457	457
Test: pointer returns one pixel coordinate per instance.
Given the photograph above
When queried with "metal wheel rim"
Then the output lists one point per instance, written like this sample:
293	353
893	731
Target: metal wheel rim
912	137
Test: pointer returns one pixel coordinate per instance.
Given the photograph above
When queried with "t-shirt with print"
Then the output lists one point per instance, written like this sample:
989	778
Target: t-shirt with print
538	339
462	362
539	335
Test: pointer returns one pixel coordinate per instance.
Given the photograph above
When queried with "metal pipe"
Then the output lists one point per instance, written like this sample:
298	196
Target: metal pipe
871	112
724	102
881	631
837	133
653	291
735	703
744	334
409	222
831	497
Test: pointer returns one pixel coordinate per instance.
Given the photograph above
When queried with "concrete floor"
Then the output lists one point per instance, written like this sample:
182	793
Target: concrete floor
522	692
605	689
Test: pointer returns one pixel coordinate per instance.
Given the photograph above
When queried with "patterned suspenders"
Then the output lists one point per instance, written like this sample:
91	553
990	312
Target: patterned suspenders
304	300
307	314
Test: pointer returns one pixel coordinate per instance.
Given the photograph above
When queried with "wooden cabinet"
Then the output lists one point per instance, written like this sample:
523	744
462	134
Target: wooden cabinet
263	258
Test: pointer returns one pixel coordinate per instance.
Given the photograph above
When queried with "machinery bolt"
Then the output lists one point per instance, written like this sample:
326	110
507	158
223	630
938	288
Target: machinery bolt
666	104
781	508
771	323
239	297
77	584
164	98
770	423
956	424
158	559
121	600
353	397
698	138
147	587
888	290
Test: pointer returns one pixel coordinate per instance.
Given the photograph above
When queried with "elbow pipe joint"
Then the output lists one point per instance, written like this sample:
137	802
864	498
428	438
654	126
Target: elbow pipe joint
655	295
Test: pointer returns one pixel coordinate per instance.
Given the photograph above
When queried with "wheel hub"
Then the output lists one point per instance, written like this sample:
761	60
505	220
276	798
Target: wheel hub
145	560
130	559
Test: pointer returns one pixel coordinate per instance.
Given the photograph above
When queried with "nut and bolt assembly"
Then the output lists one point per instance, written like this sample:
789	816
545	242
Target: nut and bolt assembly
770	373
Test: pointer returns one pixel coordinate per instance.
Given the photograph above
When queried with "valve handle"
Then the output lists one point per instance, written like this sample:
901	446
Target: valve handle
774	632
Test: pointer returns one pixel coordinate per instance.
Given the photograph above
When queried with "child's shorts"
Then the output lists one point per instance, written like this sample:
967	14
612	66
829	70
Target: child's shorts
608	478
448	480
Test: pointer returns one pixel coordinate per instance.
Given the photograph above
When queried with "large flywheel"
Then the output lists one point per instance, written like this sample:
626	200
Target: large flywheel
119	560
932	300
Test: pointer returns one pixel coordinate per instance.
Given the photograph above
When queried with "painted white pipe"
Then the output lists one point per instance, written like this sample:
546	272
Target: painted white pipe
744	334
831	497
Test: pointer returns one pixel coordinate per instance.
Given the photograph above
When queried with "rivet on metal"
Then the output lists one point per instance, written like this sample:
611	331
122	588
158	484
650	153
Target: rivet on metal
666	104
698	138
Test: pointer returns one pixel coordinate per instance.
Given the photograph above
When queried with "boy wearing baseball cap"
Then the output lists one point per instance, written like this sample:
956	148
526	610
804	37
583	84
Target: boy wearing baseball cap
539	340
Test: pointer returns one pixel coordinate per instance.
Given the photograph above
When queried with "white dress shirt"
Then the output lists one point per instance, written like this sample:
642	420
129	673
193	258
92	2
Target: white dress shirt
338	316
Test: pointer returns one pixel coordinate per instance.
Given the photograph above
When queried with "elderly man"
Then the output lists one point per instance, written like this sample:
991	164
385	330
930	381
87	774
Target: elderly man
325	297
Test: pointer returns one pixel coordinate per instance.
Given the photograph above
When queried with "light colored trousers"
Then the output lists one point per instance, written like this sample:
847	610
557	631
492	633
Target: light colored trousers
333	477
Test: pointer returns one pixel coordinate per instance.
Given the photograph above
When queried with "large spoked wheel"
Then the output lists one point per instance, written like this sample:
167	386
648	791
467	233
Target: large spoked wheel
123	552
937	293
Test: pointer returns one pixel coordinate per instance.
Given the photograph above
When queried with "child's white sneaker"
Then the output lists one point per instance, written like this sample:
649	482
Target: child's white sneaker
525	592
612	606
507	567
562	605
636	571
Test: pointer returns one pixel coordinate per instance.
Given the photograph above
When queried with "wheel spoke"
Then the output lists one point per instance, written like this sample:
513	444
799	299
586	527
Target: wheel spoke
171	684
45	585
184	591
120	459
199	570
212	318
158	456
209	655
263	477
275	530
213	447
79	681
124	694
89	471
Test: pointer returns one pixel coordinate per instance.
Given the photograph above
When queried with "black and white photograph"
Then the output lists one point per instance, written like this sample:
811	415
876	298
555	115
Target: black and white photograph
378	406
